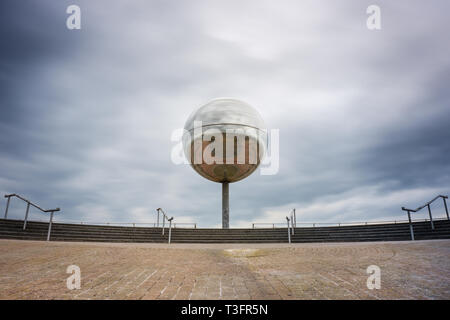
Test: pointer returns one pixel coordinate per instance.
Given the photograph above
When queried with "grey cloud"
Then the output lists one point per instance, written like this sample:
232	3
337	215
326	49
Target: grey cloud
86	116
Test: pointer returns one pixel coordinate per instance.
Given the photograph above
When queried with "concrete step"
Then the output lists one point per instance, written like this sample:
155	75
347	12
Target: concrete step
12	229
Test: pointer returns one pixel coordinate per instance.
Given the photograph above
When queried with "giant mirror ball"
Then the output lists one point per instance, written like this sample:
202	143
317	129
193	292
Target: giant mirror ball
232	119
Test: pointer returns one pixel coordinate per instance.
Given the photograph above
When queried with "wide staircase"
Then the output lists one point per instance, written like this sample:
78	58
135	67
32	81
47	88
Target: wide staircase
13	229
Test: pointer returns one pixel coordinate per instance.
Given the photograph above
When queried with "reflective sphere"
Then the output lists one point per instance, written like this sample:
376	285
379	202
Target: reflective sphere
225	140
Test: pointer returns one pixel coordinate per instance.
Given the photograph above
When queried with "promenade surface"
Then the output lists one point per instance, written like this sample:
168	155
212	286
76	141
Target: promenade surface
409	270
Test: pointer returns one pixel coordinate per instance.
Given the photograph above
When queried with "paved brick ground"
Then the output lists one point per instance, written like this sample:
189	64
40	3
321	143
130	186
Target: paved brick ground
409	270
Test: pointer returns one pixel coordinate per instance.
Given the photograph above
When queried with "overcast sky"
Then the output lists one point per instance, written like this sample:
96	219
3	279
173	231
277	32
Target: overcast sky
86	116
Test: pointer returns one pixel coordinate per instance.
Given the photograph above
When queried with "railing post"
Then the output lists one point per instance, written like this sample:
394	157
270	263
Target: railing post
164	220
7	206
50	226
445	205
273	225
170	229
195	225
157	219
289	231
410	225
295	219
431	218
292	224
26	216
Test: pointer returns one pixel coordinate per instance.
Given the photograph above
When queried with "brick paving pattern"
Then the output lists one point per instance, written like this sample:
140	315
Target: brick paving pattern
409	270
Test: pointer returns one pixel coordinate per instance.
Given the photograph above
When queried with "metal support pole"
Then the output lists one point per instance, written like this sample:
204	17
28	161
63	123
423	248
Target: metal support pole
410	226
225	205
292	225
446	209
157	219
431	218
50	226
7	206
26	217
289	231
170	229
295	219
164	222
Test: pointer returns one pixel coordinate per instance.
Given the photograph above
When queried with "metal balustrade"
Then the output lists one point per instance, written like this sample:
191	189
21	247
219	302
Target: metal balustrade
293	221
290	224
160	212
179	225
165	217
408	211
329	224
29	203
289	231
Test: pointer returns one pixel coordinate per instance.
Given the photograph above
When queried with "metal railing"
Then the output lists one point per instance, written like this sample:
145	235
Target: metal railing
129	224
408	211
29	203
165	217
330	224
289	229
160	212
291	222
294	223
